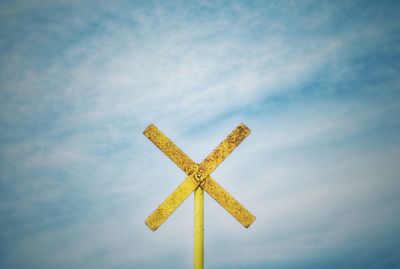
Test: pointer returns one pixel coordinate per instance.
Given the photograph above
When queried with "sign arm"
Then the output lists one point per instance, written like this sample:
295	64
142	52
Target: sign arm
234	207
169	148
173	201
223	150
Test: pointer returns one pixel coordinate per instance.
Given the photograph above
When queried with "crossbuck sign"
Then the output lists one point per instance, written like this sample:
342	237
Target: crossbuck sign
198	180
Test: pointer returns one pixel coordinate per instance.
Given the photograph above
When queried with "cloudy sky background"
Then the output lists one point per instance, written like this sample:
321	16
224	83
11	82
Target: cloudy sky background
317	82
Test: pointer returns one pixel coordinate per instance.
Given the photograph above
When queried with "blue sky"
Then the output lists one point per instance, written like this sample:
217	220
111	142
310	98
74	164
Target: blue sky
317	82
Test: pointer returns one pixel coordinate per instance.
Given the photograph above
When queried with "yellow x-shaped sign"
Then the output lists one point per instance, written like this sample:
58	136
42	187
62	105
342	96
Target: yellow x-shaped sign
198	176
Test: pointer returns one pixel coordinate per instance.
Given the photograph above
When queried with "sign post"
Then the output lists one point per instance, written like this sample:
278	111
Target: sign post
198	254
198	180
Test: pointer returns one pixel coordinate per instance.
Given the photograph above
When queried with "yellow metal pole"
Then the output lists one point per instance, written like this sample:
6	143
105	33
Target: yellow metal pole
198	254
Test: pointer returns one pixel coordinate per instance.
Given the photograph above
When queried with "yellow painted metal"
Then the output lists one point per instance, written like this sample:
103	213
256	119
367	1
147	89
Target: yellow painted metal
183	161
170	149
226	200
198	180
198	254
172	202
219	154
200	172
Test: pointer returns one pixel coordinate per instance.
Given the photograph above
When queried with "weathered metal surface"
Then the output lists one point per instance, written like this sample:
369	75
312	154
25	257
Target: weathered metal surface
236	209
172	202
198	175
219	154
169	148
